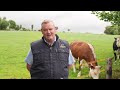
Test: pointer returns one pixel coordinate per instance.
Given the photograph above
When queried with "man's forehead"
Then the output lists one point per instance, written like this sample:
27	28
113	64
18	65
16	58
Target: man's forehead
49	23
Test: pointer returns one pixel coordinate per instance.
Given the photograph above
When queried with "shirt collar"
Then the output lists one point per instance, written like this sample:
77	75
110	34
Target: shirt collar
49	43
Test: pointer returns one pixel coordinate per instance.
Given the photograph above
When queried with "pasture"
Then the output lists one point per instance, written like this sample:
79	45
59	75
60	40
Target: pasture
14	47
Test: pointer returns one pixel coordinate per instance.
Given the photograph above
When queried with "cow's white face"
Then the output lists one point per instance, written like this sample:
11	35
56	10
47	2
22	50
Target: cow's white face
118	42
94	73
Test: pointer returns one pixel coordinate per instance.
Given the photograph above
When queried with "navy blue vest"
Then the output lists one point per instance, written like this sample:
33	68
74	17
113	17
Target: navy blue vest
50	62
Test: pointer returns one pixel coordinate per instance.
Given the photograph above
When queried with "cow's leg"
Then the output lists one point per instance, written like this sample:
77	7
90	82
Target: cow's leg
115	56
75	64
74	67
80	66
89	74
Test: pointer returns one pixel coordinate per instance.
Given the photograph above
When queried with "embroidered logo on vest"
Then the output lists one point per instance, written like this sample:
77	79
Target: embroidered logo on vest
62	46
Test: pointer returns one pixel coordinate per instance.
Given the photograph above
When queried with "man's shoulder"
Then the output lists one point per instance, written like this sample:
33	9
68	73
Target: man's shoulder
36	41
64	42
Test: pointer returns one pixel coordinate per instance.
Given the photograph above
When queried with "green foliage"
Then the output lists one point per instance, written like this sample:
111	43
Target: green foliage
3	23
12	24
113	30
108	16
20	26
17	27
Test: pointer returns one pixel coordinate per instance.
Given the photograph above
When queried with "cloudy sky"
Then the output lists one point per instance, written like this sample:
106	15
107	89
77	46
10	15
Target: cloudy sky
76	21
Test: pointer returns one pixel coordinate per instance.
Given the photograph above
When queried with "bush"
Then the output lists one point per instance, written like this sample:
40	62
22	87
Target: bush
112	30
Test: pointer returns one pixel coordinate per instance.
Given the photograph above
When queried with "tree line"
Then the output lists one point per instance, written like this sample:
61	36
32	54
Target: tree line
110	16
12	25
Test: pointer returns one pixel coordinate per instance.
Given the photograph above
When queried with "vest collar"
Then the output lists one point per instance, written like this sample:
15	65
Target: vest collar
56	38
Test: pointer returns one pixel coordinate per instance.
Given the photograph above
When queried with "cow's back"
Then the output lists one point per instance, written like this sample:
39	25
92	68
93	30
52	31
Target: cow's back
80	49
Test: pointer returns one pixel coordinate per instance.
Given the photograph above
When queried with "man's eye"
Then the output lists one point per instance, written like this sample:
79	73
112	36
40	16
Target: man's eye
44	30
50	29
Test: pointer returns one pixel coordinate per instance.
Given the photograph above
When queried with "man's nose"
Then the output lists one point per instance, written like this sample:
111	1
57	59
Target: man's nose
48	31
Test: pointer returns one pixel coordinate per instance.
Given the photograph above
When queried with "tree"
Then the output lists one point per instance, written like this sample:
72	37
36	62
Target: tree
17	27
109	16
32	27
3	23
109	30
113	30
68	30
12	24
20	27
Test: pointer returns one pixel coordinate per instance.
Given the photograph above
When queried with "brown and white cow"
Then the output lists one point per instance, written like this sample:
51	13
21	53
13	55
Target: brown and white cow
85	51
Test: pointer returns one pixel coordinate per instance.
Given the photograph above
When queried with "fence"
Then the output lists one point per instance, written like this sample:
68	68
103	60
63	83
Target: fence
109	68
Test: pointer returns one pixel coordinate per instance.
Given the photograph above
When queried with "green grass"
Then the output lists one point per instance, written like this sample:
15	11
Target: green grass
14	47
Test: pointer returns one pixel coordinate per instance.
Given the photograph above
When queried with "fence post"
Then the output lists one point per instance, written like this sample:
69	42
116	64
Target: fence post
109	68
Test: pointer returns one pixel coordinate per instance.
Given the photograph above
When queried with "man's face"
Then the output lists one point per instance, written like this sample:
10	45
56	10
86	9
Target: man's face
49	31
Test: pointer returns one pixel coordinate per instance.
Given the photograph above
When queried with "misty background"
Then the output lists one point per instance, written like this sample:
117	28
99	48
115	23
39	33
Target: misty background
76	21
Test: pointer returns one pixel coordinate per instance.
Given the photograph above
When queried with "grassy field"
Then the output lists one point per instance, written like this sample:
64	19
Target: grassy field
14	47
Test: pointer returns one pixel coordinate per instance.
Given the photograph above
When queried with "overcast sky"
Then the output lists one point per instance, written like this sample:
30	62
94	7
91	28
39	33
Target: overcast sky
76	21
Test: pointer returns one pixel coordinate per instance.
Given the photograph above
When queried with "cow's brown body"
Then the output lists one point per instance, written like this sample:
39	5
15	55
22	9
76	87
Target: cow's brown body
82	50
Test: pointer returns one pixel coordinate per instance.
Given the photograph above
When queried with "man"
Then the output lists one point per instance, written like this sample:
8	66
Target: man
50	56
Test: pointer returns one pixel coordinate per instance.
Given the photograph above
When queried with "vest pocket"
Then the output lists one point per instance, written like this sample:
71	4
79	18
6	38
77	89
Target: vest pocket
37	56
40	55
63	54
